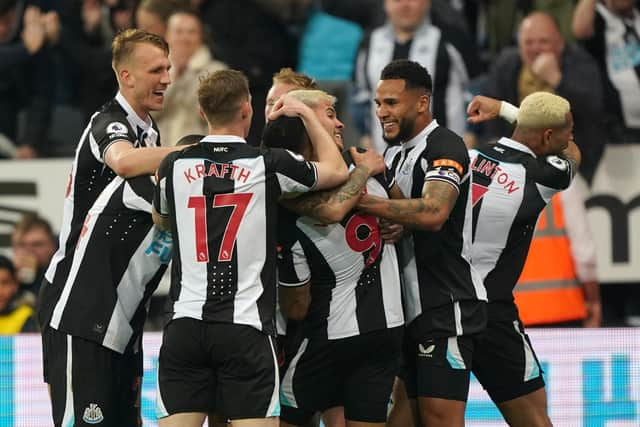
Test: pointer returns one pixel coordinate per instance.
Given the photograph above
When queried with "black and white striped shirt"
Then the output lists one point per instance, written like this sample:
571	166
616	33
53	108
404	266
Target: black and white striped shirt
222	199
117	264
443	294
510	187
89	176
355	281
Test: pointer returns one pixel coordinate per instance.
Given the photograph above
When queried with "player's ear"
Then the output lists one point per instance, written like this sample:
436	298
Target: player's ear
546	136
423	103
245	109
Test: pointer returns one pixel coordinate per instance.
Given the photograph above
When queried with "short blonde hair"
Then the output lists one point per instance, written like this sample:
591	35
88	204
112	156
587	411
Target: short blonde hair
288	76
125	41
312	98
542	110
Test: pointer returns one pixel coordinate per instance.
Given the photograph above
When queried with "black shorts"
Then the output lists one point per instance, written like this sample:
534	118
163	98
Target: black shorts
504	360
90	384
438	367
217	367
355	372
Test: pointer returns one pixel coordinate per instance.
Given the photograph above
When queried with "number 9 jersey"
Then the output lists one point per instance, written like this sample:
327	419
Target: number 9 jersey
355	280
221	199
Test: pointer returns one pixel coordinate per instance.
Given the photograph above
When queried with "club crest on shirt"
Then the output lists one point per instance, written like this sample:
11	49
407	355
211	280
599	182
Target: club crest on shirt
92	414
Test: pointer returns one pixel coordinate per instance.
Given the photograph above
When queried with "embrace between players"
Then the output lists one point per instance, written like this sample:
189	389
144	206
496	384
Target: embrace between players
351	329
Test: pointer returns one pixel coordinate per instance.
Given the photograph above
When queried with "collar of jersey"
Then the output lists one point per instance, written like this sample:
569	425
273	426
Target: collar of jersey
133	118
222	139
515	145
424	133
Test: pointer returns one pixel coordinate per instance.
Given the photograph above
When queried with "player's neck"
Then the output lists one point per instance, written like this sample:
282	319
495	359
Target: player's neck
141	112
234	130
422	121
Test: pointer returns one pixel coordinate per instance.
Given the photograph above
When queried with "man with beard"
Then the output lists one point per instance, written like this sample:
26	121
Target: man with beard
445	299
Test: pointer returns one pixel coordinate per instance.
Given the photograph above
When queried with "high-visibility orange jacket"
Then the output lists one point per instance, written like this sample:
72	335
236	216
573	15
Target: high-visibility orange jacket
548	290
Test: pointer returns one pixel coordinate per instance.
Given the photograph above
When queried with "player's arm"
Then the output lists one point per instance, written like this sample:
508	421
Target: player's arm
483	108
127	161
295	301
330	167
294	273
159	206
330	206
429	212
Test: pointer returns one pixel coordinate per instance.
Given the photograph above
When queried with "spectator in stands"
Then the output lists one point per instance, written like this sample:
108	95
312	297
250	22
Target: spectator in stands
190	59
16	311
82	33
25	86
257	41
413	33
610	31
559	282
153	15
543	61
33	244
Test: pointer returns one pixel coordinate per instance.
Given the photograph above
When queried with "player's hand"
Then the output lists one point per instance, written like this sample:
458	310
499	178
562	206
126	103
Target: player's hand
289	106
390	232
369	159
546	67
482	108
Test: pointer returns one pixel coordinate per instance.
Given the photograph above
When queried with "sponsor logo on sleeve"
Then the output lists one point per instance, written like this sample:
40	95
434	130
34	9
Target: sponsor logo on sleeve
558	163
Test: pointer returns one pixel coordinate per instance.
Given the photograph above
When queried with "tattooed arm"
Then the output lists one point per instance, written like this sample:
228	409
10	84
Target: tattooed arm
427	213
331	206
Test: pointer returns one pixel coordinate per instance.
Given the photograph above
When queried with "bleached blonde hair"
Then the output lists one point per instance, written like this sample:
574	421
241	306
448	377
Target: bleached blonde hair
312	98
542	110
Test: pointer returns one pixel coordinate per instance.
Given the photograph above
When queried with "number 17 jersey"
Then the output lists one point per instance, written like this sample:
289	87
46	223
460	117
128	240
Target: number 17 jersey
221	197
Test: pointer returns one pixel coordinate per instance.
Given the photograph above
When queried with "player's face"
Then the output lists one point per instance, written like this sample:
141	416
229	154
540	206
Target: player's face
149	71
397	110
276	91
326	112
